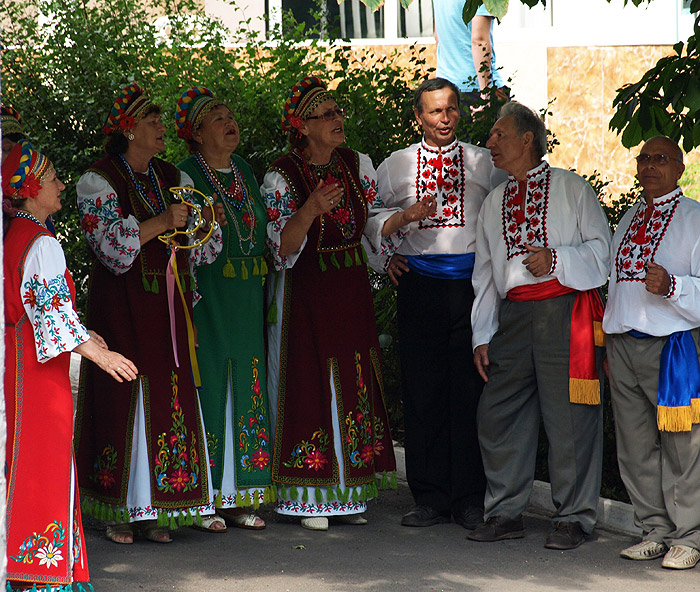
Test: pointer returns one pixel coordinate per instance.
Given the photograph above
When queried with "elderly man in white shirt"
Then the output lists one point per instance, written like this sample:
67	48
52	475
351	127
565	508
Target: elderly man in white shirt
432	270
542	250
653	326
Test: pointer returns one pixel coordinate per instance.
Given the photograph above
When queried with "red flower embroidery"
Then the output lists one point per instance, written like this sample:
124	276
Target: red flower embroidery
272	214
315	460
260	459
30	297
90	223
179	479
247	220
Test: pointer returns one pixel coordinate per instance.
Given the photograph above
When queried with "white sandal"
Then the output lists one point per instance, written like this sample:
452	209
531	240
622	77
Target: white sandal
208	523
315	523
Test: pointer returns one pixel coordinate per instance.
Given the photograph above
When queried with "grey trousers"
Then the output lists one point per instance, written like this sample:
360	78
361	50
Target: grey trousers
661	470
529	378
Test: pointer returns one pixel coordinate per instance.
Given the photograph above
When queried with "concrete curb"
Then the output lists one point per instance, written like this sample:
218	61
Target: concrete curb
612	515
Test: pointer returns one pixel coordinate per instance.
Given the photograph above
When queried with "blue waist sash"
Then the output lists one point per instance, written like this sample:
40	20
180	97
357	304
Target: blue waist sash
444	267
678	392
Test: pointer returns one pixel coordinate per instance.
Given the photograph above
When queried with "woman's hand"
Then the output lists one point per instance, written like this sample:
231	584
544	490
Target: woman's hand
175	215
115	364
323	199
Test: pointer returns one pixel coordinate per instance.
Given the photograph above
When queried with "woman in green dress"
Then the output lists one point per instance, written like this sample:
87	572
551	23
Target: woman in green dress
229	313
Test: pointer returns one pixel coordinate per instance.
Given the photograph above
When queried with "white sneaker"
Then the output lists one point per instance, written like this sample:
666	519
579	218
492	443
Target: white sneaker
644	551
355	519
681	557
315	523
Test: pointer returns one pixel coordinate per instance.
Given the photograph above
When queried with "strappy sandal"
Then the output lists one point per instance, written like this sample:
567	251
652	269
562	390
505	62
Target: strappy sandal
248	520
150	530
209	522
122	533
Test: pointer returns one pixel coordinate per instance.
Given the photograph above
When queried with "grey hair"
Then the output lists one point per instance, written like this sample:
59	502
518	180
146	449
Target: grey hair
526	120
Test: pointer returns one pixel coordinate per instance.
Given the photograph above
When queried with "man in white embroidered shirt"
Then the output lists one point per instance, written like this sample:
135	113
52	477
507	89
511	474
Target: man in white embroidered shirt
542	250
653	320
432	270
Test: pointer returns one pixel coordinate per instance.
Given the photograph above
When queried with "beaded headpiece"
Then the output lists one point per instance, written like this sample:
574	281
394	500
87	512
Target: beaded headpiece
22	171
305	96
129	107
11	121
193	105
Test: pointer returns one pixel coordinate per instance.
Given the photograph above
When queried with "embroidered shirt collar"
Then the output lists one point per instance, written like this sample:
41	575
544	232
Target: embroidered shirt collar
540	168
663	199
451	146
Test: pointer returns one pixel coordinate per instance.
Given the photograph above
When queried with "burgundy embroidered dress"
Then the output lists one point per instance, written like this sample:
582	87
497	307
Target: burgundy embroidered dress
45	542
325	383
141	447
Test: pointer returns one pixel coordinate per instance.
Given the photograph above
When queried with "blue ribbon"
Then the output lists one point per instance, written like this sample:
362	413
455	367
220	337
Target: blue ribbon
679	374
444	267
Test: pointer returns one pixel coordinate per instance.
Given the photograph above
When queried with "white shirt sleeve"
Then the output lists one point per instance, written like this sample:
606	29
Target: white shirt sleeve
47	301
115	240
281	206
379	248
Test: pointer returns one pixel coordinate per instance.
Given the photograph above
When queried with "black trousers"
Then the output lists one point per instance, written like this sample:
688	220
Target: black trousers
441	390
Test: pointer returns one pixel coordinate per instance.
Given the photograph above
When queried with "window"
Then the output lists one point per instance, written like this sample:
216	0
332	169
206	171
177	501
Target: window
390	24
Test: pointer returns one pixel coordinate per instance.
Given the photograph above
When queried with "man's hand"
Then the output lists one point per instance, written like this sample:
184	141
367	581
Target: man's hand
397	267
540	262
657	279
481	361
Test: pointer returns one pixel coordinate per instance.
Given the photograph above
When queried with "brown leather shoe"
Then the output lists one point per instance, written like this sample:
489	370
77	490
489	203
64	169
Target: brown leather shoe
498	528
565	536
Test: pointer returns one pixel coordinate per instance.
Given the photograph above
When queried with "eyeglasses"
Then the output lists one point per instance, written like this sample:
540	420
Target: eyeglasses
329	115
656	159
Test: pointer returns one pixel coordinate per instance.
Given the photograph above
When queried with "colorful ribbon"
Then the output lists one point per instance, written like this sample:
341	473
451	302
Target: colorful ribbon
172	277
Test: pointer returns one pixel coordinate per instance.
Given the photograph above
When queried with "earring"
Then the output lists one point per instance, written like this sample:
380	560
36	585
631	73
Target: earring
130	136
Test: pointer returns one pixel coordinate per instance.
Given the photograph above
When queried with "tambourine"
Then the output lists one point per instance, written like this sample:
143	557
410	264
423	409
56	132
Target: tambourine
180	194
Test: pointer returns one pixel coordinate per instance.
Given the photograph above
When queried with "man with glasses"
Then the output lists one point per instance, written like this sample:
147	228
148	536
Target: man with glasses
432	270
652	320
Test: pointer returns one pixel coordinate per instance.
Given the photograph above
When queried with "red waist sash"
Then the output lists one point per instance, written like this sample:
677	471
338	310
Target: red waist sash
586	333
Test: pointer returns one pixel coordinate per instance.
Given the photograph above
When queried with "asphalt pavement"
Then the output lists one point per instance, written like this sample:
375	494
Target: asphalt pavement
382	556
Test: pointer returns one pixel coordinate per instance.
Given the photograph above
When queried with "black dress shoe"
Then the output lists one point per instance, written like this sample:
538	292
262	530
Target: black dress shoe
470	518
423	516
498	528
565	536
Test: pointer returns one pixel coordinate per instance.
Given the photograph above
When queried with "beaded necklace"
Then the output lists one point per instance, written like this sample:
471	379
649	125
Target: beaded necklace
27	216
154	201
236	196
342	215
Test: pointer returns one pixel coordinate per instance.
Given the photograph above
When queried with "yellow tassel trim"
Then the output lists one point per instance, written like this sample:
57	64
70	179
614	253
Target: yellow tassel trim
674	419
695	410
229	271
598	335
584	391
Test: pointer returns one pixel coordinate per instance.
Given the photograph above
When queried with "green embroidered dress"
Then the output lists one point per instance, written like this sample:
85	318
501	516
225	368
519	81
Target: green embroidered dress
229	320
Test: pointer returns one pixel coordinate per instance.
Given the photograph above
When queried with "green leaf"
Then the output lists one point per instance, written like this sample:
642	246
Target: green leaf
469	10
692	95
497	8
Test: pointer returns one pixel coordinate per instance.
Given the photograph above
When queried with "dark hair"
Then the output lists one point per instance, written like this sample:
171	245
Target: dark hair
526	120
116	143
15	136
429	86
